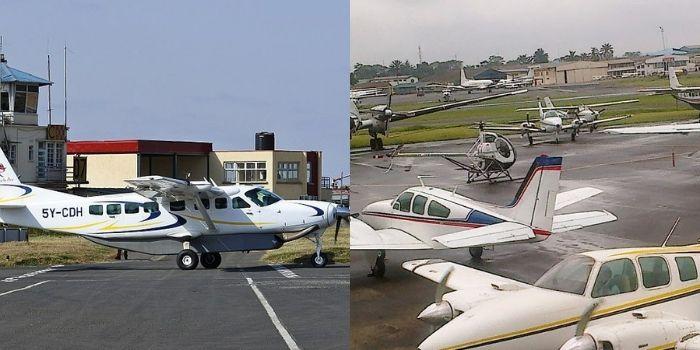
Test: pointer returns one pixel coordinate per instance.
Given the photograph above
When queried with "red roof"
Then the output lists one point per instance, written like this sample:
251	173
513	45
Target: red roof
138	146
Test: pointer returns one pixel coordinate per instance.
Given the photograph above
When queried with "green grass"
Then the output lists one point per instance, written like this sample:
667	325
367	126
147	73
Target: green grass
651	81
455	124
52	249
301	250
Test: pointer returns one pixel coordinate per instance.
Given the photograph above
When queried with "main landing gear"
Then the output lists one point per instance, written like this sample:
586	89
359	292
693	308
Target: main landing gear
187	259
376	144
379	267
476	252
319	259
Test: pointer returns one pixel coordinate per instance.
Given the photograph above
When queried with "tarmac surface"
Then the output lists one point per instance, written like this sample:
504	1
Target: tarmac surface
151	304
641	187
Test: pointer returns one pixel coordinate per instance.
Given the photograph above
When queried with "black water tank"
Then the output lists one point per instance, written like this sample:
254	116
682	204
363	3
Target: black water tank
265	141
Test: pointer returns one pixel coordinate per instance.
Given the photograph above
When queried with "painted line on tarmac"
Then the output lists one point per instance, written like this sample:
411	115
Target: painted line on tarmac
30	274
20	289
284	271
273	316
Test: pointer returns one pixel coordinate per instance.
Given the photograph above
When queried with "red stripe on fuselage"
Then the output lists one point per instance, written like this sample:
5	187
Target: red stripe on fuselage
542	168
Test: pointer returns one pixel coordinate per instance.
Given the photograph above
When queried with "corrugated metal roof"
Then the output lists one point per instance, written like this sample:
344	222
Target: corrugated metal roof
9	74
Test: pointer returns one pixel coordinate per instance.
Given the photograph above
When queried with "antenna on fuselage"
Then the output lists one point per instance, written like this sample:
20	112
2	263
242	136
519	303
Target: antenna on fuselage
421	177
673	228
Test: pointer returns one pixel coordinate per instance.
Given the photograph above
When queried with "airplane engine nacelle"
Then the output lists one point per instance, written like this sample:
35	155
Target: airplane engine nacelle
528	125
438	313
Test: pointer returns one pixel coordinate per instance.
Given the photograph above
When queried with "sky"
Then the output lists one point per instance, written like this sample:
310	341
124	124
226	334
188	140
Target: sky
216	71
472	30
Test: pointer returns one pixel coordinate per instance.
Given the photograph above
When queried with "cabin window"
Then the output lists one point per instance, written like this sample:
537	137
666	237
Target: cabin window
205	203
177	206
686	268
654	271
404	202
477	217
569	276
239	203
615	277
114	209
150	207
419	204
96	209
262	197
437	209
220	203
131	208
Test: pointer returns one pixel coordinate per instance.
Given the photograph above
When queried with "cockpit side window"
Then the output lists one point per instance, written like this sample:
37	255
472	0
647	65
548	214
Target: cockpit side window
150	207
131	208
221	203
615	277
205	203
239	203
654	271
418	206
177	205
403	202
262	197
569	276
435	208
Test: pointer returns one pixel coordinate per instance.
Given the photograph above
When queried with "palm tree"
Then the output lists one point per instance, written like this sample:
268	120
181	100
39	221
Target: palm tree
571	56
595	54
396	66
607	51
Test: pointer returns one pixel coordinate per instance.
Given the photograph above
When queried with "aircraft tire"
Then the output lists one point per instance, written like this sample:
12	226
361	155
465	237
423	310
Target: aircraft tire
379	268
476	252
373	144
211	260
380	144
187	259
319	260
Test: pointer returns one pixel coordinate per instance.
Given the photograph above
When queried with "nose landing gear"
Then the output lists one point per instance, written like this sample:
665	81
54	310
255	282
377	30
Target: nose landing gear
319	259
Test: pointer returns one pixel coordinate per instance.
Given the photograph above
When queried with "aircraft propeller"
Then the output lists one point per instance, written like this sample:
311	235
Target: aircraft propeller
581	340
342	213
440	311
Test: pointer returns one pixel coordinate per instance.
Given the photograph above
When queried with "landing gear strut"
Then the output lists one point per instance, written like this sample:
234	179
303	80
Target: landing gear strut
187	259
211	260
376	144
379	267
319	259
476	252
573	135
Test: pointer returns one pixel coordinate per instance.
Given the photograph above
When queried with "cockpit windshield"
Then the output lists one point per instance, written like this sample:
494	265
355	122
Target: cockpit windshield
570	275
551	114
262	197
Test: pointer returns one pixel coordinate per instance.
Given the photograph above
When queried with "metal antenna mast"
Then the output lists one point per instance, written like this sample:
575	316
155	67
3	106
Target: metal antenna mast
65	86
48	64
420	55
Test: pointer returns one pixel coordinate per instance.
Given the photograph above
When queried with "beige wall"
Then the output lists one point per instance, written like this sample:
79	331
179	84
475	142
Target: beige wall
109	170
217	159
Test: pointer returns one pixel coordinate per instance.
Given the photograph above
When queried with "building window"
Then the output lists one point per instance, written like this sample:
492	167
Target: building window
30	153
288	171
308	173
12	154
4	101
26	98
242	172
50	158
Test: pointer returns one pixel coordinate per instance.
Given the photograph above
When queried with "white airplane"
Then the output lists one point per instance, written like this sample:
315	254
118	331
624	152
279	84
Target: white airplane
377	120
468	84
584	114
171	216
551	122
364	93
687	94
634	298
432	218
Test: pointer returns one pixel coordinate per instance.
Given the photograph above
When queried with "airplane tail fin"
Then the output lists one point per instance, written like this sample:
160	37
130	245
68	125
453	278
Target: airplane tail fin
462	77
534	202
7	174
539	108
673	79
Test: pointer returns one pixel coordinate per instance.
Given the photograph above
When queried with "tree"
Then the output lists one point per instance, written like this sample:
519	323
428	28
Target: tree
495	60
353	79
595	54
632	54
607	51
540	56
523	59
396	66
571	56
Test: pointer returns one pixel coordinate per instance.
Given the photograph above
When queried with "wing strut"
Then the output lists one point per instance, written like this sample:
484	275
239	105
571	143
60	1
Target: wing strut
205	214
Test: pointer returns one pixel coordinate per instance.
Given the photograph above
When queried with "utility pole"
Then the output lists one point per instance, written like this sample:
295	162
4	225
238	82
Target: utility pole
65	86
663	38
48	64
420	55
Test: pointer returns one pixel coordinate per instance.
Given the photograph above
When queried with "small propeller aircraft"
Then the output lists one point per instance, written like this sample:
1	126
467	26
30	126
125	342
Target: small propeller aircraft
379	117
551	122
585	114
432	218
468	84
617	299
171	216
687	94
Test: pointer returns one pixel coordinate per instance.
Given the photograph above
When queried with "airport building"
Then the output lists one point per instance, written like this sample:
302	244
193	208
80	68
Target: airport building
37	152
659	64
104	165
621	67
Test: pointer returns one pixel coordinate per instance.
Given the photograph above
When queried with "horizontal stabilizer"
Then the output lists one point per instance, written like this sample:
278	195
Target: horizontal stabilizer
364	237
565	199
575	221
503	232
657	129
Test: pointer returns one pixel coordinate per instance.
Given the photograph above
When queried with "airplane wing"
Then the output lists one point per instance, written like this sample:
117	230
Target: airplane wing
170	187
410	114
608	120
603	104
657	129
575	221
656	90
364	237
503	232
510	128
565	199
462	277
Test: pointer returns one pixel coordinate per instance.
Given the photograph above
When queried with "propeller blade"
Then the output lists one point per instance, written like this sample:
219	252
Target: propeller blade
338	221
442	286
585	318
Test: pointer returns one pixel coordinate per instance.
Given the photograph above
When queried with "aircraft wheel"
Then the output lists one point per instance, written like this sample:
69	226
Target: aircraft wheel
211	260
380	144
530	140
476	252
319	260
379	268
187	260
373	144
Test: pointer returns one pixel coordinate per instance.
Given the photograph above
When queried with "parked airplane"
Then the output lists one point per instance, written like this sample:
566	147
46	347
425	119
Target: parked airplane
432	218
378	119
468	84
551	122
584	114
171	216
631	298
687	94
364	93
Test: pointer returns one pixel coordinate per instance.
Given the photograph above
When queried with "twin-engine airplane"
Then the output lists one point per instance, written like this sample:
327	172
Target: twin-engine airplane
377	120
634	298
432	218
171	216
584	114
551	121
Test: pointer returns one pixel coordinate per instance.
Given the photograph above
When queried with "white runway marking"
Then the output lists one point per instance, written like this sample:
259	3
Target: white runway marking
284	271
20	289
30	274
273	317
